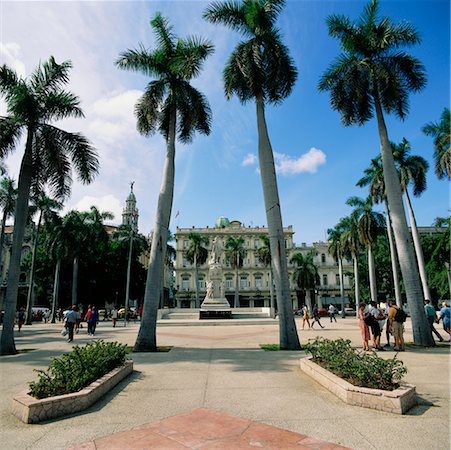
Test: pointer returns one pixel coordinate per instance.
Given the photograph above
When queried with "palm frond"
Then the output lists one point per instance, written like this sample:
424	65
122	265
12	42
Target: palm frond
10	133
165	37
142	61
50	76
61	105
229	13
148	107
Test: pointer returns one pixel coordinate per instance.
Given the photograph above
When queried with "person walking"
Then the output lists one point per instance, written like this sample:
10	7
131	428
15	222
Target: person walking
364	328
315	314
332	313
431	316
305	316
92	321
375	327
71	320
445	316
87	319
20	318
114	315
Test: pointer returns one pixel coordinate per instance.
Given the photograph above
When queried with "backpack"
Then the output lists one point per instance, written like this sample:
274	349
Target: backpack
400	316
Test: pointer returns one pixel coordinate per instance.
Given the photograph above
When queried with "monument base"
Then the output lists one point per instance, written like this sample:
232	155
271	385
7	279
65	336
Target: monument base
215	308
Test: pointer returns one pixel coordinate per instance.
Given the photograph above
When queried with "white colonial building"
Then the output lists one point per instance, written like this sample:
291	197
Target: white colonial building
254	276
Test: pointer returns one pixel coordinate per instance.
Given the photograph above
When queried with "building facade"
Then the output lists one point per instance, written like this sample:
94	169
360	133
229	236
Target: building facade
253	277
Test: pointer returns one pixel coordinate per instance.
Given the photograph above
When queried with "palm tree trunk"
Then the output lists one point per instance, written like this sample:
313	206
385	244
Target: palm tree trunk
372	274
288	336
2	240
356	283
342	292
56	287
7	345
30	296
237	285
421	331
418	249
394	258
147	338
129	271
75	281
196	276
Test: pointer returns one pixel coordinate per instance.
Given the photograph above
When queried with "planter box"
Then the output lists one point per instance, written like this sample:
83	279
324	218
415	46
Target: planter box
31	410
398	401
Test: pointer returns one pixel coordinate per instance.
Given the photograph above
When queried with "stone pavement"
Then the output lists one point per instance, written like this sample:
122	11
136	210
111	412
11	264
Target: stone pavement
221	369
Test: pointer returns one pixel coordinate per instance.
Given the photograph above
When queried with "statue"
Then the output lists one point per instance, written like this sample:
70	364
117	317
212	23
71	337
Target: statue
209	289
215	255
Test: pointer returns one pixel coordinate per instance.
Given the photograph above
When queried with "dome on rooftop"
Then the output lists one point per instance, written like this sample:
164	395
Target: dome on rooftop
222	222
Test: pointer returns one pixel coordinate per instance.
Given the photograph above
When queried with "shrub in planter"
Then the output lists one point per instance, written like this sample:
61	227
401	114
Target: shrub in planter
358	368
75	370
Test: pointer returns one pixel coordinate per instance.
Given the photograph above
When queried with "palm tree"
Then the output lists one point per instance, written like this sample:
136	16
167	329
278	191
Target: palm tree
176	109
305	274
261	69
412	171
350	244
8	194
264	255
46	207
336	250
442	148
374	177
197	254
370	224
33	106
374	75
236	252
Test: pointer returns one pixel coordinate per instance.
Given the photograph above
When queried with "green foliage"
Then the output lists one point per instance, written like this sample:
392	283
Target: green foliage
359	369
75	370
270	347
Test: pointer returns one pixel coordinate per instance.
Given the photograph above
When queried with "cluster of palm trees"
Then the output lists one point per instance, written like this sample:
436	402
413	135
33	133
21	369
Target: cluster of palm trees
372	76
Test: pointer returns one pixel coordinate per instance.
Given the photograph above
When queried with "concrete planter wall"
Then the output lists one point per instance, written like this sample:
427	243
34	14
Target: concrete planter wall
398	401
31	410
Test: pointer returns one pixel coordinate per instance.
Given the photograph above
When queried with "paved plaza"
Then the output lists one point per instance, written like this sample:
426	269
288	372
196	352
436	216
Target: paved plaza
218	373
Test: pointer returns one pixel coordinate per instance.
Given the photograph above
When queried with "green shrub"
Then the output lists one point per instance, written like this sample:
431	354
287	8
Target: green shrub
360	369
75	370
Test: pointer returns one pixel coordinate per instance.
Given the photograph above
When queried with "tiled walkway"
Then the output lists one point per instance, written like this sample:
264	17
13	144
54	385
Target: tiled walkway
206	429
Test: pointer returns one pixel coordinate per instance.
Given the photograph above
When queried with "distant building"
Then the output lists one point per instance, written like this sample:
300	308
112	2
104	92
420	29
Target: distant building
254	277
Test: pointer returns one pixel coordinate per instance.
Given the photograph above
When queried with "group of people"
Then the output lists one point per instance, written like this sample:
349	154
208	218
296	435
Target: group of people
305	314
393	317
73	321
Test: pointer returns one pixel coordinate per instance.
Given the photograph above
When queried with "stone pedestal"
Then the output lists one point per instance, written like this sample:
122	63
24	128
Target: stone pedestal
215	305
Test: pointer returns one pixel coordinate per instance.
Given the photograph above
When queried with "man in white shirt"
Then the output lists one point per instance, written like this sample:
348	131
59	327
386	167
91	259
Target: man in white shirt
71	319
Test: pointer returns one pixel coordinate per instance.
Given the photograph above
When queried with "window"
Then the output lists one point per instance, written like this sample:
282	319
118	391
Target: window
201	283
258	281
323	257
185	262
324	280
185	244
229	282
185	283
257	261
257	243
227	262
243	282
337	279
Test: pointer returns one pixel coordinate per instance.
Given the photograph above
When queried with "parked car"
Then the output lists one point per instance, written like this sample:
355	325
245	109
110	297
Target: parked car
323	312
348	312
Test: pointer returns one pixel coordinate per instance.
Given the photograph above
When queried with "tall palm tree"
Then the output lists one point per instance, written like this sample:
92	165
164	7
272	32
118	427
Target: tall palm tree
177	110
8	193
370	224
305	274
442	143
412	171
260	69
350	244
46	207
264	255
374	178
197	254
373	75
33	106
236	252
336	250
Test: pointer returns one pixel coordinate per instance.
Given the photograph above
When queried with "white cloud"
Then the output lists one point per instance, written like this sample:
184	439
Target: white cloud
9	55
249	160
106	203
308	162
112	118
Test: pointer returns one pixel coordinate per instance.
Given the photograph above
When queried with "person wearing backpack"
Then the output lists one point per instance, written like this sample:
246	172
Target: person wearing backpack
396	319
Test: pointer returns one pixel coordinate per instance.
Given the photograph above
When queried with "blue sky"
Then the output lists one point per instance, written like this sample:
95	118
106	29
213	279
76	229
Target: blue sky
318	160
